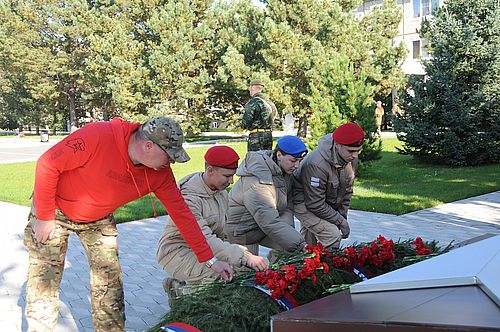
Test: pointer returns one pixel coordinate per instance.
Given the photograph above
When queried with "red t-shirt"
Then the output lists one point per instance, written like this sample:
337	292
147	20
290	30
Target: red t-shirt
89	174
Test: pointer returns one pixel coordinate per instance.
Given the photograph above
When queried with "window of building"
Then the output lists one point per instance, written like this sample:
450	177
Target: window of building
434	5
424	7
416	8
416	49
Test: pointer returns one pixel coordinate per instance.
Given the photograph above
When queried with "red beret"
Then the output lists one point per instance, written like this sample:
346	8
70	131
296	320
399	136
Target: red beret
222	156
349	134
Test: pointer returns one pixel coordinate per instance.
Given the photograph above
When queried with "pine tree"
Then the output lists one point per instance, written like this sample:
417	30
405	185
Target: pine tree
454	116
338	93
43	51
235	59
177	47
308	40
116	66
289	44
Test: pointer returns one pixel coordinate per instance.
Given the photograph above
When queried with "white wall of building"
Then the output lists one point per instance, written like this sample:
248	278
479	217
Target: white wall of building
413	13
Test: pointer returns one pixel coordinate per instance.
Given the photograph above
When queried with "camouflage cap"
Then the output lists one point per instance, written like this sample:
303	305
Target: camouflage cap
257	82
168	135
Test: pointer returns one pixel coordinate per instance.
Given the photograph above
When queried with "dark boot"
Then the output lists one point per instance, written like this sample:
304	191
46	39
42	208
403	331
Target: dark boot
333	249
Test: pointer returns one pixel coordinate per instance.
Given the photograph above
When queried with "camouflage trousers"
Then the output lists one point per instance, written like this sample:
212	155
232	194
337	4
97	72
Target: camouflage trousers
260	141
46	265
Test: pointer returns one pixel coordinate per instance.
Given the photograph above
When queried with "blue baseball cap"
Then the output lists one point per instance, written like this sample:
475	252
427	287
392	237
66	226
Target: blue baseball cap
292	145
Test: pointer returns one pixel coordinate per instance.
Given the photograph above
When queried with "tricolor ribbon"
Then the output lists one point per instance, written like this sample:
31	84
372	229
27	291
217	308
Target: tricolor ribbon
360	273
287	301
179	327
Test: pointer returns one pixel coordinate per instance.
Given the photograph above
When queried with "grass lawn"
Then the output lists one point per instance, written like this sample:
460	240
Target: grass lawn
394	184
399	184
208	138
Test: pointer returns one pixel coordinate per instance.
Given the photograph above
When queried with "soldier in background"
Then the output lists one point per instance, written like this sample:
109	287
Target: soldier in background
258	118
79	183
379	116
205	194
396	109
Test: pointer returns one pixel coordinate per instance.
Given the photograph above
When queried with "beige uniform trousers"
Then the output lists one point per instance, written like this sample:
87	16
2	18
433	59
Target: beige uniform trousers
315	229
252	239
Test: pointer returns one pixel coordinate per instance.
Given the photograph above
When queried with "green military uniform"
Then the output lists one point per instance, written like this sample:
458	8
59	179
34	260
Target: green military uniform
258	119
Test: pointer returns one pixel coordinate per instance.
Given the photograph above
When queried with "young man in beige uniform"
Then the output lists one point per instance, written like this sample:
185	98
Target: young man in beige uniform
205	194
323	186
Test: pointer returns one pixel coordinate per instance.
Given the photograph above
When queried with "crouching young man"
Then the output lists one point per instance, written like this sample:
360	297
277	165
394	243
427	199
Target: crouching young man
323	186
206	195
260	203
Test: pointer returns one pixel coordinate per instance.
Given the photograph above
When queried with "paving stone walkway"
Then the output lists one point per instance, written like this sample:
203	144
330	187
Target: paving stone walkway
144	295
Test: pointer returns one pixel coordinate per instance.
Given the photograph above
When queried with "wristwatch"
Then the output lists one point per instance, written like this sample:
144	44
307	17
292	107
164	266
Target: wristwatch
211	262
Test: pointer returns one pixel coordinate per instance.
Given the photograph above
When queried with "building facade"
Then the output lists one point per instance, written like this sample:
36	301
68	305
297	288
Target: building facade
413	13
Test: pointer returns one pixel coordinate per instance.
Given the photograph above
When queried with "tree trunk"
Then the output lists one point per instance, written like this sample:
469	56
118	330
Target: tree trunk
54	122
72	109
108	109
105	115
302	128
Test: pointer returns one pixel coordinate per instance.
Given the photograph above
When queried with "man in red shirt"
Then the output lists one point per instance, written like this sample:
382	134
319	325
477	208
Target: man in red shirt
79	183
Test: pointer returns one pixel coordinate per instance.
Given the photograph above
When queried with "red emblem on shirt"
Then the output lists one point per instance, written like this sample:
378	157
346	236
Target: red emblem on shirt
76	144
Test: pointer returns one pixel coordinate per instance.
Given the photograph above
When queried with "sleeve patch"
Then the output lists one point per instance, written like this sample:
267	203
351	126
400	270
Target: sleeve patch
314	181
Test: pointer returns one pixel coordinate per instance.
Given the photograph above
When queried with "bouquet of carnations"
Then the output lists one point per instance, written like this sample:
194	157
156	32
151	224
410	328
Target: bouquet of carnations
247	303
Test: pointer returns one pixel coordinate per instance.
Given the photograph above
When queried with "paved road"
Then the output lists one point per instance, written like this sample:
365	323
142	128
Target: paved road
146	301
13	150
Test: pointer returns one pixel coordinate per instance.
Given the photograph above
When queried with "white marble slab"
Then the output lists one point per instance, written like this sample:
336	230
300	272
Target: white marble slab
474	264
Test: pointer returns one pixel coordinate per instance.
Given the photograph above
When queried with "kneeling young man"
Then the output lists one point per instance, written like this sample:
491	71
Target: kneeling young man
260	203
205	194
323	186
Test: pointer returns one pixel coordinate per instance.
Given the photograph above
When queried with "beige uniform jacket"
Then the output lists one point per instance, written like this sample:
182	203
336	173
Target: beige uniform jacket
324	182
209	207
260	205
